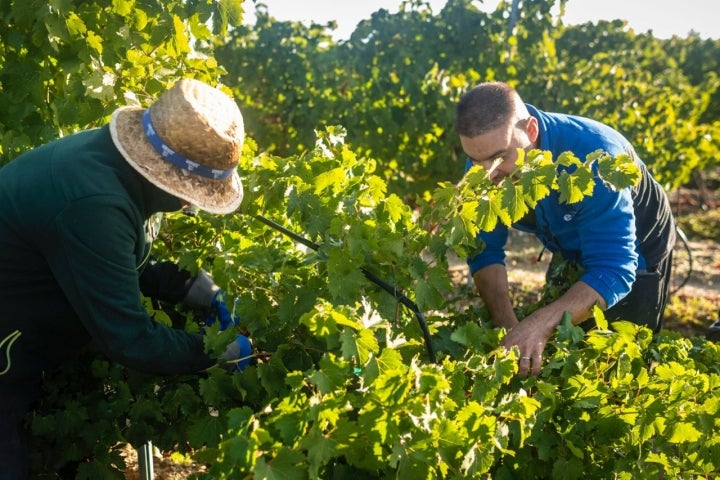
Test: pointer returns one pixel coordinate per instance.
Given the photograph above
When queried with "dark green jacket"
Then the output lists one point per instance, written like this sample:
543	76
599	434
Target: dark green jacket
72	244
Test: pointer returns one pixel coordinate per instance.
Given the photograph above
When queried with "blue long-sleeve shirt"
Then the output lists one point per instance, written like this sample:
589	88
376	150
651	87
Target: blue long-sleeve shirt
611	234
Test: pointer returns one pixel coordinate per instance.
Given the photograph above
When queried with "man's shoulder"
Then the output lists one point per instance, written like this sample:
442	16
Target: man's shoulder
561	132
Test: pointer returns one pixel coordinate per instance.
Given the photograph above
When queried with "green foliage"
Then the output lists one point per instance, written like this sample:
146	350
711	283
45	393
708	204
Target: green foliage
394	82
705	224
657	109
459	211
66	65
341	386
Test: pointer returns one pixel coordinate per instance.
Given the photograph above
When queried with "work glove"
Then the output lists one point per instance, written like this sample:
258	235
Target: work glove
239	352
205	294
219	311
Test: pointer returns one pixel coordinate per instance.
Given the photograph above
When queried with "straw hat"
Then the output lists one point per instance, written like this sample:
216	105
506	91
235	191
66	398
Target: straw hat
187	143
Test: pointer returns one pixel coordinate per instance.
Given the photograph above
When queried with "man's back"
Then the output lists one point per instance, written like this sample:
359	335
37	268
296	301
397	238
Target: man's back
55	199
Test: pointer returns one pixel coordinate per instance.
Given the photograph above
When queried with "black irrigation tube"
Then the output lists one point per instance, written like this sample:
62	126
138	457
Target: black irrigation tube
391	289
686	244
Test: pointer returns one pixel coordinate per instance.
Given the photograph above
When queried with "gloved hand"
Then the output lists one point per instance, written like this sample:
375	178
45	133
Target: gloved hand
240	349
204	293
219	311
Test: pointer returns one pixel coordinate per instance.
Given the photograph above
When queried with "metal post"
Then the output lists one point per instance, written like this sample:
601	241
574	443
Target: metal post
145	461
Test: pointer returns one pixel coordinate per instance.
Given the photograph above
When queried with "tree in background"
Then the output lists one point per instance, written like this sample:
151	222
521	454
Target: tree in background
393	84
66	65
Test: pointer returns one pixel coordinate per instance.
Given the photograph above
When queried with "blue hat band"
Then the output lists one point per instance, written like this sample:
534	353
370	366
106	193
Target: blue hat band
177	159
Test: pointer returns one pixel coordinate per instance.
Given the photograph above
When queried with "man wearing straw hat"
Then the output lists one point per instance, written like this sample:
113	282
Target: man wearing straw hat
74	247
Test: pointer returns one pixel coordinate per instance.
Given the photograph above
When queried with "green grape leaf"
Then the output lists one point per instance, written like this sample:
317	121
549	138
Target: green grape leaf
575	186
285	466
333	179
206	431
619	171
486	219
358	345
684	432
513	200
469	335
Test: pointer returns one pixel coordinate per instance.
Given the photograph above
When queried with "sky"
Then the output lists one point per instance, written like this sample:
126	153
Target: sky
664	17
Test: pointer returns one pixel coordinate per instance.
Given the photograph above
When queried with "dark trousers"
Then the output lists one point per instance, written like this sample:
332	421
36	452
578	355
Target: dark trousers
14	405
645	304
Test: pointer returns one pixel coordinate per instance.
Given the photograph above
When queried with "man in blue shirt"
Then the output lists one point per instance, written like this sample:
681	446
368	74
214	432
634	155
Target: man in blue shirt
621	240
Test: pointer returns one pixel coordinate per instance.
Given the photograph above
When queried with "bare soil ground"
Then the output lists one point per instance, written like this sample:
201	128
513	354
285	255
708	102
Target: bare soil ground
165	467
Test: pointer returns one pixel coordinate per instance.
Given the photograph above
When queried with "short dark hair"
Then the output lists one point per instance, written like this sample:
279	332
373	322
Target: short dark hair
485	107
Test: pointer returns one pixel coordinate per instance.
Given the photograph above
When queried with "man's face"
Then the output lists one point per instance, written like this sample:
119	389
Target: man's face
497	150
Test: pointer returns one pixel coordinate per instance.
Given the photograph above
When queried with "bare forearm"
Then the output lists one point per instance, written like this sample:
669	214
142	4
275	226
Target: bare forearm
492	285
531	335
578	301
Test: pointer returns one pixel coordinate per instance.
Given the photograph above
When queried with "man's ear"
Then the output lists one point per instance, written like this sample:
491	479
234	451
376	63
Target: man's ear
532	129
